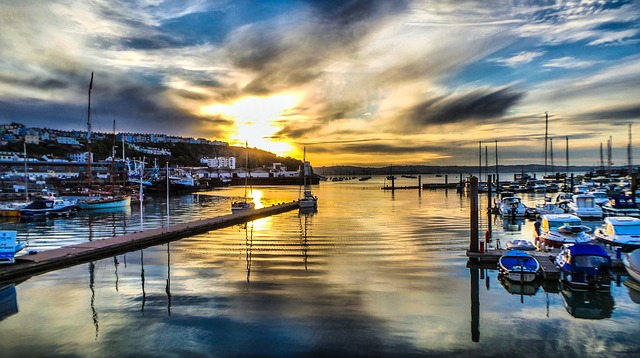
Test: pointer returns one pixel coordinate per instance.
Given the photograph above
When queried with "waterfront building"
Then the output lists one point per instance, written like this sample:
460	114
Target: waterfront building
220	162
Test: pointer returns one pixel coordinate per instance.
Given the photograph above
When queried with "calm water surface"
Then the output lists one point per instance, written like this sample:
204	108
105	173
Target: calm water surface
372	273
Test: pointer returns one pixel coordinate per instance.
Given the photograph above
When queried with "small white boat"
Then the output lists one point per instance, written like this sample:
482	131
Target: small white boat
244	204
48	206
584	206
632	263
518	265
511	206
545	208
308	200
520	244
620	231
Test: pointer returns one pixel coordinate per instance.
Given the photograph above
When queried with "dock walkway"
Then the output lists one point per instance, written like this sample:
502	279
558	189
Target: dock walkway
41	262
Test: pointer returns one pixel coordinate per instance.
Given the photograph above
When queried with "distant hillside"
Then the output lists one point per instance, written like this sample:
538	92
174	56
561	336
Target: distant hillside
426	169
183	154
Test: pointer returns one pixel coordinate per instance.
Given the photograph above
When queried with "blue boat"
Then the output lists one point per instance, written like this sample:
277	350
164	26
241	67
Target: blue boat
584	266
517	265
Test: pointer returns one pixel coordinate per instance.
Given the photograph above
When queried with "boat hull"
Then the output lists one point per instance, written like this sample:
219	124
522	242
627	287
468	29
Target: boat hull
104	203
632	264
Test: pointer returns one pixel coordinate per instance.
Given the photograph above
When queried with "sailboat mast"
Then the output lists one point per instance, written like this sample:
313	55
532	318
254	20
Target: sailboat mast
89	174
546	134
246	163
553	169
630	152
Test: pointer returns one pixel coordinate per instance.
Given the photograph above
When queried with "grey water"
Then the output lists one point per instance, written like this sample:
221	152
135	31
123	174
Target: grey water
372	273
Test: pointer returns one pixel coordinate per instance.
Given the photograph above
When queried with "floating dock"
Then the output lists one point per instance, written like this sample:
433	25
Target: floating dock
41	262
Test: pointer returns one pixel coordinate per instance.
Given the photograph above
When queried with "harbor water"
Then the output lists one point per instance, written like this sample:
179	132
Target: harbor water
372	273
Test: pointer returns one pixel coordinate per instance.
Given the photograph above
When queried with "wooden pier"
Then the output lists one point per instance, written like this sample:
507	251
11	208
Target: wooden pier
41	262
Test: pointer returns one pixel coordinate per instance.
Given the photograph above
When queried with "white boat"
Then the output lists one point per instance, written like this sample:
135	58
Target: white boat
104	202
511	206
620	231
584	206
308	200
601	197
519	244
518	265
545	208
631	262
48	206
621	206
559	229
244	204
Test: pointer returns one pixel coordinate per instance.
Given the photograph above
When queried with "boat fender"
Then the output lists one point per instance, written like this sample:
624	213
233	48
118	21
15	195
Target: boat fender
487	236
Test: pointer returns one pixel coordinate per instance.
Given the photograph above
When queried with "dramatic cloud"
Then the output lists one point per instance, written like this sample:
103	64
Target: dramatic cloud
519	59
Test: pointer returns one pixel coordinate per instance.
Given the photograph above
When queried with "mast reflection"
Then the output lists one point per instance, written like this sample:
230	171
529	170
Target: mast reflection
168	286
475	304
94	315
249	245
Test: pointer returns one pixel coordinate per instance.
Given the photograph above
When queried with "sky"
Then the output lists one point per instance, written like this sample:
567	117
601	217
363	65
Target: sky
356	82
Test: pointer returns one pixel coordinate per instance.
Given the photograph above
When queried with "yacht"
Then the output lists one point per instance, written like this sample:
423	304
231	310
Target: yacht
620	231
584	206
559	229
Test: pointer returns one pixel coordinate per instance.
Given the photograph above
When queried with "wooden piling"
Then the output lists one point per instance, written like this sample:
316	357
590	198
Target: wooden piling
473	194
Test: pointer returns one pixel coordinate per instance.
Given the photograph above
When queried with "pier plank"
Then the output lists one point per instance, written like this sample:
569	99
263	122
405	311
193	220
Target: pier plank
29	265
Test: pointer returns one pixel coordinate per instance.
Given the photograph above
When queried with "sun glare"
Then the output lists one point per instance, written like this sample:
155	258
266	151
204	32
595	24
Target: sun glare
257	119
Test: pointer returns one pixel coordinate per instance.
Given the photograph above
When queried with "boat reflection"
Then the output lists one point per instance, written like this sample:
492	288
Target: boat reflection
305	225
512	224
634	289
587	304
520	288
8	301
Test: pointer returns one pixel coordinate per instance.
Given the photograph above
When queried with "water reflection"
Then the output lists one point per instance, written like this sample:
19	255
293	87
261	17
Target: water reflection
94	312
8	301
248	240
587	304
520	288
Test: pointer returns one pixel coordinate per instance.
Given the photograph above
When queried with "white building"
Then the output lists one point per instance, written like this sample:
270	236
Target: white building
220	162
80	157
67	140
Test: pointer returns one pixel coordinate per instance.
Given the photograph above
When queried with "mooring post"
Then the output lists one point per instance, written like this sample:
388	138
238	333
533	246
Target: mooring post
572	182
473	193
489	209
419	183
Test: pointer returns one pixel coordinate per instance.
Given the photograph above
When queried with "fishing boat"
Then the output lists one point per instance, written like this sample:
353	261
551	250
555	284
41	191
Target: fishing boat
308	200
559	229
584	206
621	206
584	266
632	263
517	265
244	204
52	206
620	231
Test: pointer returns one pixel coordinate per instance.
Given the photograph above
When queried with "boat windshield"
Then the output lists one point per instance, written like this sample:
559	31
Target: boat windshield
569	223
627	229
589	261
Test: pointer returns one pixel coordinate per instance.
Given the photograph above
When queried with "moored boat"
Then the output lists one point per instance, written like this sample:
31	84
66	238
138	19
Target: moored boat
559	229
511	206
584	266
104	202
48	206
308	200
584	206
519	244
517	265
244	204
620	231
621	206
631	262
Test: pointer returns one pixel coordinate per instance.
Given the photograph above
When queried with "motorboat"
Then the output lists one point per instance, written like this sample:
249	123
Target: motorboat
584	206
620	231
601	197
511	206
104	202
562	200
553	188
519	244
584	266
621	206
48	206
559	229
580	189
545	208
631	262
519	266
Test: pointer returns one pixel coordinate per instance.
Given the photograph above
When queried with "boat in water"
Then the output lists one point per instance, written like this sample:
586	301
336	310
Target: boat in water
517	265
308	200
560	229
51	206
104	202
519	244
584	206
244	204
620	231
631	262
621	206
584	266
511	206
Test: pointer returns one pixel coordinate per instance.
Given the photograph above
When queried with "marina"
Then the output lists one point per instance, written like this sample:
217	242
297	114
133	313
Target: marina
397	267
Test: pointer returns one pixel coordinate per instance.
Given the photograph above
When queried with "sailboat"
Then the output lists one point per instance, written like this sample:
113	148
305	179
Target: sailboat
244	204
98	202
308	201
